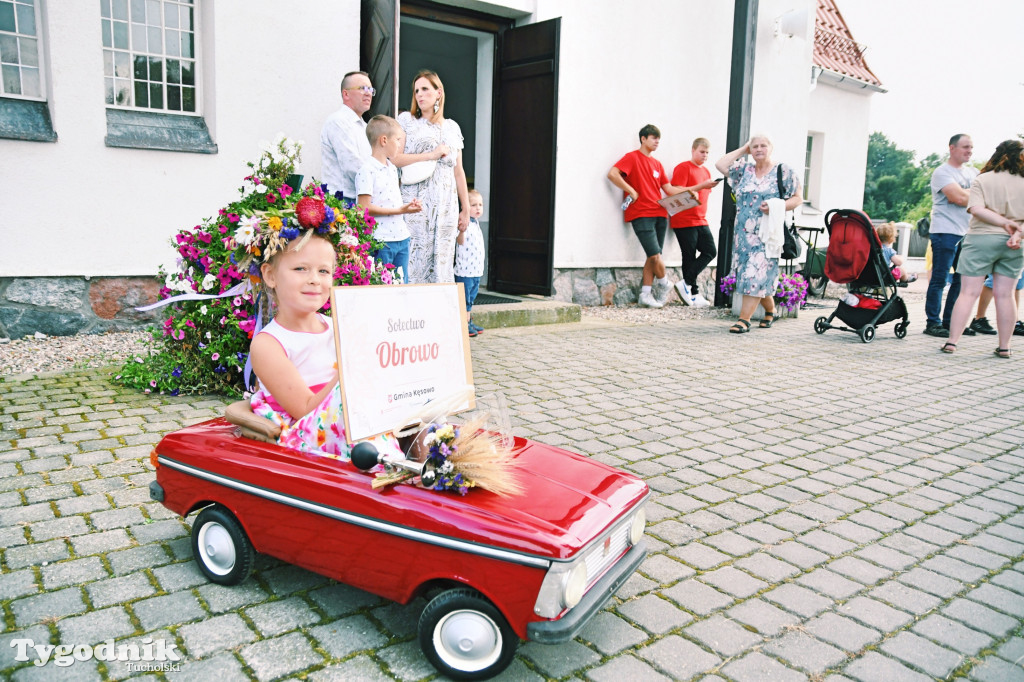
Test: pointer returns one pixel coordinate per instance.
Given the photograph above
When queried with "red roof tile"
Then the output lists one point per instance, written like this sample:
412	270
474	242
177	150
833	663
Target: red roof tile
834	46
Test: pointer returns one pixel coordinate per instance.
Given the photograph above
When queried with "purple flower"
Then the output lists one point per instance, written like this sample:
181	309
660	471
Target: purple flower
176	372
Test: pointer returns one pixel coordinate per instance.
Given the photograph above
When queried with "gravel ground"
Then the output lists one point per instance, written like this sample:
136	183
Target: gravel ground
58	353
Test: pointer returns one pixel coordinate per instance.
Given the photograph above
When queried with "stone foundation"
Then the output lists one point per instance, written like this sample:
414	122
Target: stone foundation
63	306
616	286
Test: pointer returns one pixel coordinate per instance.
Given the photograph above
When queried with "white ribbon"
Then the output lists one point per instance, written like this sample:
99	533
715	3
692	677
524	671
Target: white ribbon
240	288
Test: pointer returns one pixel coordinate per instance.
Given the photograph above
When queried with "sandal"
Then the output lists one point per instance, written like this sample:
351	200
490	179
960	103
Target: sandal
769	318
1002	353
948	347
741	327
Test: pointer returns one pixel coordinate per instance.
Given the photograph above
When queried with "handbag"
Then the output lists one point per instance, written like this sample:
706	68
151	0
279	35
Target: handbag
418	172
792	245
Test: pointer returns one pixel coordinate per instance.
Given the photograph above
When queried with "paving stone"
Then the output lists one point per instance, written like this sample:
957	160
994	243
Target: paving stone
119	590
158	612
610	634
731	543
828	583
625	668
756	667
58	528
798	554
999	598
931	582
764	618
36	554
1012	650
992	669
921	653
697	597
214	634
288	579
722	636
843	632
952	634
906	598
732	581
859	570
874	667
116	518
344	637
42	607
96	543
977	556
158	530
96	626
181	576
279	656
980	617
654	614
805	652
884	556
564	659
83	504
799	600
764	533
338	599
767	567
73	572
791	522
275	618
678	657
1011	580
874	614
222	667
665	569
137	559
954	568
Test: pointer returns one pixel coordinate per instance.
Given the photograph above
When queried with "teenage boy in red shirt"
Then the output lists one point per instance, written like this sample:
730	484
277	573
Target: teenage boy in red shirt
643	178
691	226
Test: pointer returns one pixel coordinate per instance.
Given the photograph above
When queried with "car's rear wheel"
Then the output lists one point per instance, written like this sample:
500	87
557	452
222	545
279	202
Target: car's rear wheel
220	546
465	637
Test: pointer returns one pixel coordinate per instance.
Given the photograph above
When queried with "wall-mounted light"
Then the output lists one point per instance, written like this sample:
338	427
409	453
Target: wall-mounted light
792	24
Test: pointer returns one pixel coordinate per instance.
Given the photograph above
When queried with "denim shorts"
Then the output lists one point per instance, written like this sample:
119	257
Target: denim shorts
984	254
1020	282
651	233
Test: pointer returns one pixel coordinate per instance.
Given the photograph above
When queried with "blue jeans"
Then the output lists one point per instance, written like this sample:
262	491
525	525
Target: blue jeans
397	254
472	286
943	251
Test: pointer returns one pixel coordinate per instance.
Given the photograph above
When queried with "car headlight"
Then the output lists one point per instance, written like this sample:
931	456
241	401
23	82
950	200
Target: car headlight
637	527
574	585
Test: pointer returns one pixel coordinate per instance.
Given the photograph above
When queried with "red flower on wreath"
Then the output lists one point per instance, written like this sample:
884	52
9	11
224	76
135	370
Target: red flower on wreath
310	212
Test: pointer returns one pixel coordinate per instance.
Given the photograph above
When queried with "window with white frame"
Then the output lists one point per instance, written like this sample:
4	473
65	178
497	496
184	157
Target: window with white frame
20	75
149	54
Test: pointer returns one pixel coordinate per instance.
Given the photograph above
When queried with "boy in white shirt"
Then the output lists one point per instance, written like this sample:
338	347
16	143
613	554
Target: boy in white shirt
380	194
469	256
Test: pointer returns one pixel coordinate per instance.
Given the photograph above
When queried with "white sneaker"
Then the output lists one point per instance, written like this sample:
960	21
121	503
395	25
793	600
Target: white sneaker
661	292
647	300
700	302
683	289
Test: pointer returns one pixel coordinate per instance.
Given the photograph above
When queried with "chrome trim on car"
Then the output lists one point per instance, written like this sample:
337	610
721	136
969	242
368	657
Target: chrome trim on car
357	520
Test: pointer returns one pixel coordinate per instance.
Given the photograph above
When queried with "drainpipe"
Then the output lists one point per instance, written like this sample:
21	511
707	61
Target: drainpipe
741	88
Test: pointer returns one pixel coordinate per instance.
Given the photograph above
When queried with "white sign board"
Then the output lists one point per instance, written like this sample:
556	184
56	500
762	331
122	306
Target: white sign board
399	347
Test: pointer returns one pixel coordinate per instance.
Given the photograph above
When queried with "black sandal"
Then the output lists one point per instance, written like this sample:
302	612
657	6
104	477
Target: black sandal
741	327
948	347
1002	353
769	318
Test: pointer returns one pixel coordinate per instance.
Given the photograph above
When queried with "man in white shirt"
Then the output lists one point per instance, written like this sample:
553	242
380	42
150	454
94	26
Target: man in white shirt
343	144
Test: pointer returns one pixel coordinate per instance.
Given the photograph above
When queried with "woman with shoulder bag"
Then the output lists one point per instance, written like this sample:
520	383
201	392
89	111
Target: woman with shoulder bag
756	249
430	137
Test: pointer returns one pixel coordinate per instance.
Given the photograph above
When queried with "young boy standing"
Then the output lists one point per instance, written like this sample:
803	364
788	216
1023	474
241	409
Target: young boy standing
469	256
691	226
380	194
643	178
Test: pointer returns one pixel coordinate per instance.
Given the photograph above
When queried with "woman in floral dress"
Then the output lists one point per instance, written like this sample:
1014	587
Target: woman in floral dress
754	181
429	136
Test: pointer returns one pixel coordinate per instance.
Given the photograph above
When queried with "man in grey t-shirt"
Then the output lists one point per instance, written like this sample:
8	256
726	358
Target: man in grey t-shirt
950	185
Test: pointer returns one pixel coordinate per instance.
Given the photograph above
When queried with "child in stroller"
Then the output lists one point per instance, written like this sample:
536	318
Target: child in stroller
854	257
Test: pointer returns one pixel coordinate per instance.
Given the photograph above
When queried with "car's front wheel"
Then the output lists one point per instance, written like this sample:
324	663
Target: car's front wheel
465	637
220	546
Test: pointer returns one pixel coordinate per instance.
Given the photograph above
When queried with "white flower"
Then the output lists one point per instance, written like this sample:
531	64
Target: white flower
209	281
246	229
261	188
208	337
203	309
349	239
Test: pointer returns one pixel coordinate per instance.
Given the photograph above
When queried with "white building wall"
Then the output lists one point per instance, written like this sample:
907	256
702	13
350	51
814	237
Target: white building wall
844	140
106	211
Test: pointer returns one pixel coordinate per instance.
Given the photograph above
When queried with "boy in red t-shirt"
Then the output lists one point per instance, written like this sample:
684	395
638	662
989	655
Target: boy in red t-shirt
643	178
691	226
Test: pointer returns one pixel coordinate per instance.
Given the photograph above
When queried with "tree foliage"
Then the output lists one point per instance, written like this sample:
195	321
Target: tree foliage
896	188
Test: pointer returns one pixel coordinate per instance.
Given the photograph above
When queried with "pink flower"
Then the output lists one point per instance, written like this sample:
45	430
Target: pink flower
233	217
285	191
223	229
153	383
215	357
271	198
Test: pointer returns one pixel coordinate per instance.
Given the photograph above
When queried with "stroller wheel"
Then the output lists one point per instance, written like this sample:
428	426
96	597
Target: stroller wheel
901	330
821	325
867	333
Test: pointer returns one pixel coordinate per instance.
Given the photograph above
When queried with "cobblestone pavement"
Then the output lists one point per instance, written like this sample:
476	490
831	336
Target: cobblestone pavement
823	509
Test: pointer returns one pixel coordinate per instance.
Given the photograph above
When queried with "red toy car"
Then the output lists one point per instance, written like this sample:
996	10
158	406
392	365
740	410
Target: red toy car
495	569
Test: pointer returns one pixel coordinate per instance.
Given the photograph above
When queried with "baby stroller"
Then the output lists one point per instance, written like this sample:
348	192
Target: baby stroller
854	257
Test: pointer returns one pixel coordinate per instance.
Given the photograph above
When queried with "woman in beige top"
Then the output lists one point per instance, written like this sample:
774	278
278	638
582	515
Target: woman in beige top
996	206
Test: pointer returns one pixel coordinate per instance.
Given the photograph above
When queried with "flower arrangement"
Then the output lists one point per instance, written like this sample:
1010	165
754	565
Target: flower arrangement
201	346
790	294
458	458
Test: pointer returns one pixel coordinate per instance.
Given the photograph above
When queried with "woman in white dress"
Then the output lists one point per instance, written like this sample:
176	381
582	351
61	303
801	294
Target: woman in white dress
430	136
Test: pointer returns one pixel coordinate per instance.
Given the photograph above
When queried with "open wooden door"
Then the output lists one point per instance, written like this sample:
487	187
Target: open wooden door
378	53
522	226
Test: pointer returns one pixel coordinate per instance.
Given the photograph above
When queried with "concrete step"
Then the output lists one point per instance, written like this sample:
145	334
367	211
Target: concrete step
523	311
